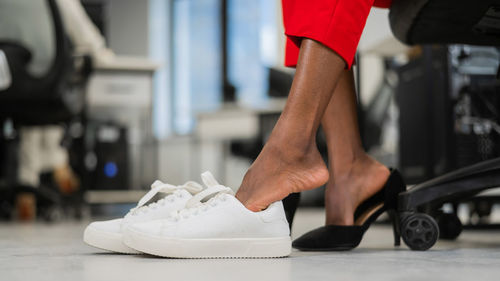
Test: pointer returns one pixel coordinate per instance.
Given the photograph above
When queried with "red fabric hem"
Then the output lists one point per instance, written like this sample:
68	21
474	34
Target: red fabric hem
382	3
293	48
337	24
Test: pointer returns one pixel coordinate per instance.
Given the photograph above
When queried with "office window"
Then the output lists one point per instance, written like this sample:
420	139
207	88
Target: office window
252	47
196	62
159	50
196	68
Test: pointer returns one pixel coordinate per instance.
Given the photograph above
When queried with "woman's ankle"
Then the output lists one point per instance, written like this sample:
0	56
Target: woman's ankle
293	134
350	186
353	167
293	149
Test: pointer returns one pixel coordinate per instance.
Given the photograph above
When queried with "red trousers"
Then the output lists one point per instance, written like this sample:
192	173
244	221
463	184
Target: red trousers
337	24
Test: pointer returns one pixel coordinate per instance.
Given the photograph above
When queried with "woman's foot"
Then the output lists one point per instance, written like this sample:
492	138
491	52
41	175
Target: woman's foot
350	185
281	169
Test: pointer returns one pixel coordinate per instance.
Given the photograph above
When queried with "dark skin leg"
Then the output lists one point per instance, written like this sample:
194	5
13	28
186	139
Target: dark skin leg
290	161
354	175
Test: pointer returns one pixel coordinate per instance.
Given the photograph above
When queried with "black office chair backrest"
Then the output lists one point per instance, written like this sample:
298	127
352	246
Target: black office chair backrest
45	97
446	21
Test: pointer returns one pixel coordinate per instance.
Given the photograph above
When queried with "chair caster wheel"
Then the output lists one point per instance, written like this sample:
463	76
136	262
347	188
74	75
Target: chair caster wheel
450	226
419	231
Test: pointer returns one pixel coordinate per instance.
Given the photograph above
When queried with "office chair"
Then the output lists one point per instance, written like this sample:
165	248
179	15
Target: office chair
52	96
444	22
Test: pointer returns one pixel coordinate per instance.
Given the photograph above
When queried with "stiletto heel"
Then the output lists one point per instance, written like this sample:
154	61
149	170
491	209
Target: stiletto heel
342	237
290	204
394	217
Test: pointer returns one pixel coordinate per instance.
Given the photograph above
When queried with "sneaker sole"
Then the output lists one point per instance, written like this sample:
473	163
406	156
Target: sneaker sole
106	241
208	248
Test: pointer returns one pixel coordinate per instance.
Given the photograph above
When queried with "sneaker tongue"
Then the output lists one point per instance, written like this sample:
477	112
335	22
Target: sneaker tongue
209	179
213	188
193	187
206	194
156	187
159	186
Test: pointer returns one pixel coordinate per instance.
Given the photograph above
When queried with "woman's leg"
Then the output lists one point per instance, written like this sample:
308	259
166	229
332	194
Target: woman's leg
290	161
354	176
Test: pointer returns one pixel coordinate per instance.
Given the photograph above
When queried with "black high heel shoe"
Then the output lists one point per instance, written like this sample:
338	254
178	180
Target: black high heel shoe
341	237
290	204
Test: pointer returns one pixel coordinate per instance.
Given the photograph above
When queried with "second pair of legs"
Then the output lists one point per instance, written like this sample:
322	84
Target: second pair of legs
322	93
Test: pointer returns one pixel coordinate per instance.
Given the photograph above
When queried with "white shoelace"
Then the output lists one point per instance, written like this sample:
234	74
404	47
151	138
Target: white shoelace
161	187
214	193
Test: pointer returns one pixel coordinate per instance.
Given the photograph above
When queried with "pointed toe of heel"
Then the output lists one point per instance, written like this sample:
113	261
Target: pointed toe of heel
330	238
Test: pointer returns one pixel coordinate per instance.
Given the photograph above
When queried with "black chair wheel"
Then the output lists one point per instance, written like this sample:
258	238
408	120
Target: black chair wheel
450	226
419	231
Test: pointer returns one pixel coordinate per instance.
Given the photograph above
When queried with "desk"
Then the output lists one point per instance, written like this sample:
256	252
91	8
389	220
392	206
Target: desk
121	91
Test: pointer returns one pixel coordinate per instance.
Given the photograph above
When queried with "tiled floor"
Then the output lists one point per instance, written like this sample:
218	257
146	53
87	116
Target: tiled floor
56	252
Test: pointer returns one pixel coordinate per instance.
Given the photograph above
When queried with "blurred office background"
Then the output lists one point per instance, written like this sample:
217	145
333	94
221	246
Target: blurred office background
172	88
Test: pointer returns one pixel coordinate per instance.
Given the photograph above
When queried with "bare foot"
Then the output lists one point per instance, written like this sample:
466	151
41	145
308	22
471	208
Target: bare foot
350	187
279	171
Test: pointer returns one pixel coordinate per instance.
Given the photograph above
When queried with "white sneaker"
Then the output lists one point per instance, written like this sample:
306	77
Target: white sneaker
214	224
108	235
